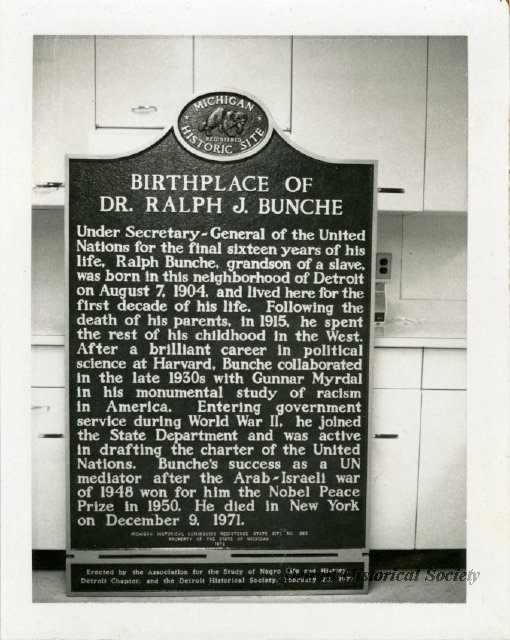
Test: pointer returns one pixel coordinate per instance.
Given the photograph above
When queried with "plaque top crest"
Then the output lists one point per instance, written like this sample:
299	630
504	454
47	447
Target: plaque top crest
223	126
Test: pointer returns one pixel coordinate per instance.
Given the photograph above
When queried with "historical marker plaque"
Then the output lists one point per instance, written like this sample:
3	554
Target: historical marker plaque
220	301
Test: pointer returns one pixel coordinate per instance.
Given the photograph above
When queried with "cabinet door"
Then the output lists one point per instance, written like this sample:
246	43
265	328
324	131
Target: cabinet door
258	65
394	468
142	81
48	411
48	478
447	126
48	492
63	109
441	522
365	99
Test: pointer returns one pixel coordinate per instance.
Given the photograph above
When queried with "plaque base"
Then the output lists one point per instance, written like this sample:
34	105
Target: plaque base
214	574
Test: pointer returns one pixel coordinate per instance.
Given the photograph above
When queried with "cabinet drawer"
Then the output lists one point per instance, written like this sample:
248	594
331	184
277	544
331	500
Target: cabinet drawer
48	366
444	369
397	368
48	410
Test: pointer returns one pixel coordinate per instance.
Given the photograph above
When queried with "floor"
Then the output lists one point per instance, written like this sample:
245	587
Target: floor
49	586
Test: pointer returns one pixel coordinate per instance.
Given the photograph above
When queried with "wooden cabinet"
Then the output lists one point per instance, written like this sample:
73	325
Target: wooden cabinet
49	464
418	481
394	468
63	109
365	98
129	96
441	516
142	81
373	98
447	126
258	65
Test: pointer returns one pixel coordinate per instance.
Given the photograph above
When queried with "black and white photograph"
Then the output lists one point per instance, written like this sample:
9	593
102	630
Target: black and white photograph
264	324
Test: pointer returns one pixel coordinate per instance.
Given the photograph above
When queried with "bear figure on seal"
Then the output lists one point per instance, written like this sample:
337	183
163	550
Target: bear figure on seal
227	121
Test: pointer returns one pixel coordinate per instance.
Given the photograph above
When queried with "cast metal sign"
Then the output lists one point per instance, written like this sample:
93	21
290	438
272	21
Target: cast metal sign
223	126
220	288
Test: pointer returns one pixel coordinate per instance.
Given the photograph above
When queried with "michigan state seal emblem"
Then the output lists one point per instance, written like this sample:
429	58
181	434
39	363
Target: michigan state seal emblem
223	126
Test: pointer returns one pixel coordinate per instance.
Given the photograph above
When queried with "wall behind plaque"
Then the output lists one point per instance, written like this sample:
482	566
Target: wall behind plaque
429	266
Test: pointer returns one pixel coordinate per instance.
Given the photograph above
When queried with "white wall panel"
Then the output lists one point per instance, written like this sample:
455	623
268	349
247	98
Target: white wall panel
434	257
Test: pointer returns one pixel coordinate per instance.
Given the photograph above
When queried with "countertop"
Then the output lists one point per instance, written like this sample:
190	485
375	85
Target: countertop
438	335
